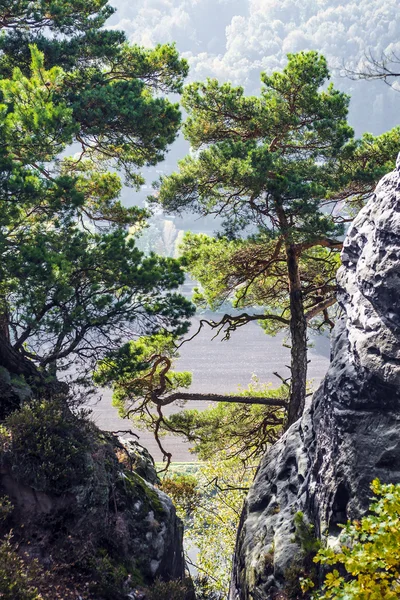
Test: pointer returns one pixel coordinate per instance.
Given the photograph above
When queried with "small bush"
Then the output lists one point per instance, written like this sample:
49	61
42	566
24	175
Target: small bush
109	578
48	448
16	577
167	590
369	559
182	489
6	508
203	586
305	536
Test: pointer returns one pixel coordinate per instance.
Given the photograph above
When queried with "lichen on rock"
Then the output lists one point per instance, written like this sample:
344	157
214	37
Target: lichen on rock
349	433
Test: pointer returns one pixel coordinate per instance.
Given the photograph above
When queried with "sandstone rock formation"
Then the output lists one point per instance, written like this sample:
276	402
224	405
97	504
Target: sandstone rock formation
350	431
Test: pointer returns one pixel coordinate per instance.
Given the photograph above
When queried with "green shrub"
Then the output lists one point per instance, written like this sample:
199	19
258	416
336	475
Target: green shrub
49	447
182	489
370	553
204	589
108	577
167	590
305	536
16	577
6	508
301	576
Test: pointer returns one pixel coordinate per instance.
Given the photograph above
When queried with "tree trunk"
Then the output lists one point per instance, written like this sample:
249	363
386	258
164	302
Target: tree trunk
298	334
274	402
4	331
15	362
4	318
298	322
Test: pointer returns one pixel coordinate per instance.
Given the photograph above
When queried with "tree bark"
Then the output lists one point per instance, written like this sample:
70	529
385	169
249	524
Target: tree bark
4	318
15	362
298	322
276	402
4	331
298	334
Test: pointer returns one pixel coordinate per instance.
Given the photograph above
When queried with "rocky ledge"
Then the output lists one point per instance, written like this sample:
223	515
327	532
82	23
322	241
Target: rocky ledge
320	471
76	508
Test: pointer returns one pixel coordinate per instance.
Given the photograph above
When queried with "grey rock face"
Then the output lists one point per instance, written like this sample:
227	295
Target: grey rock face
350	432
140	460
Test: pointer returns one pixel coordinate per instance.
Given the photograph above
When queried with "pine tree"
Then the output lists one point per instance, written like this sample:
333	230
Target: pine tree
277	164
72	282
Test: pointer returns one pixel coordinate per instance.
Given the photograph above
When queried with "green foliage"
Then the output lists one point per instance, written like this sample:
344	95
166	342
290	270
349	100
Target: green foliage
117	96
248	273
80	287
286	98
276	167
16	577
289	148
182	489
72	281
305	535
49	449
57	14
143	380
369	558
109	577
211	512
6	508
301	577
38	126
268	144
230	429
213	529
138	368
167	590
